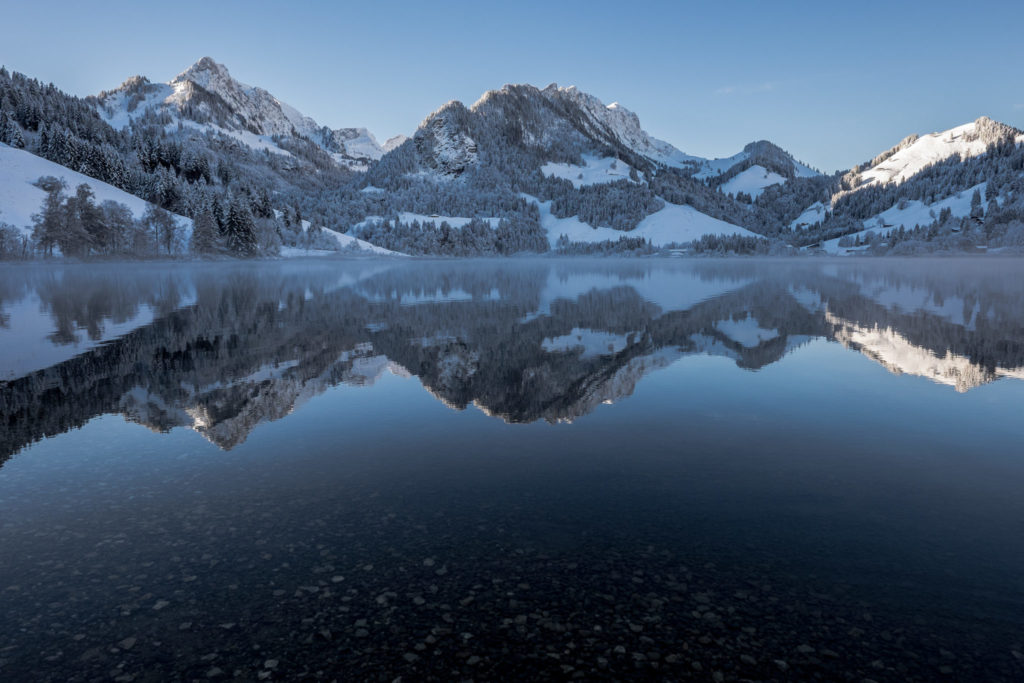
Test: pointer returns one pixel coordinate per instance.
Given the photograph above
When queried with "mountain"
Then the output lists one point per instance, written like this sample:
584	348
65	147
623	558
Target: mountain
522	169
759	165
961	189
914	153
202	146
207	95
559	168
615	125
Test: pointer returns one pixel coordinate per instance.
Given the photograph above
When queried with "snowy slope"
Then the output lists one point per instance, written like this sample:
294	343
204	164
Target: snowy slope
393	143
586	342
913	213
710	168
345	243
752	181
901	357
812	215
913	155
672	224
408	218
19	198
620	124
669	290
746	332
593	172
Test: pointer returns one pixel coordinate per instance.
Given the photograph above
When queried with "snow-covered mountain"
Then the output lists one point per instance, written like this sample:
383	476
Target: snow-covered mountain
614	123
592	171
206	94
954	190
521	169
761	153
915	152
555	124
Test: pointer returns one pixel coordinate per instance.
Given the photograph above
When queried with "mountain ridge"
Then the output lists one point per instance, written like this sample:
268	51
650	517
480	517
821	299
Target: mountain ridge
524	168
206	92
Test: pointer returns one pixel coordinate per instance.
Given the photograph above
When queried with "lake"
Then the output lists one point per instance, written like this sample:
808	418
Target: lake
521	469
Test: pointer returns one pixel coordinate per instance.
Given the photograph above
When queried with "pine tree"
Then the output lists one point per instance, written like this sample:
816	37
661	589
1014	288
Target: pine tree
241	229
204	233
976	210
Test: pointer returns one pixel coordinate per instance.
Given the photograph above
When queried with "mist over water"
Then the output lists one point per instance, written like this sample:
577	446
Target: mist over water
760	469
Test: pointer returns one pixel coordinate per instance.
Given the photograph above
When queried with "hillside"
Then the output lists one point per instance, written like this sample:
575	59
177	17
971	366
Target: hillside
20	198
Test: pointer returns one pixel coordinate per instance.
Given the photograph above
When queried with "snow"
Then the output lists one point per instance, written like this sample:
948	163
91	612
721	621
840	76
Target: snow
589	343
19	198
709	168
247	138
299	252
672	224
393	143
713	167
453	221
25	337
267	371
907	298
918	213
623	125
594	171
115	107
251	104
668	289
746	332
438	295
752	181
347	242
915	212
363	145
927	150
812	215
900	356
804	171
408	218
712	346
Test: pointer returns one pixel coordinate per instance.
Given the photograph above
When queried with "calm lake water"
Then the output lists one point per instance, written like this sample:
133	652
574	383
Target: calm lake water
719	470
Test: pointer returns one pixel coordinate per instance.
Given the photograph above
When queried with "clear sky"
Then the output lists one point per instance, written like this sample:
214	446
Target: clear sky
834	83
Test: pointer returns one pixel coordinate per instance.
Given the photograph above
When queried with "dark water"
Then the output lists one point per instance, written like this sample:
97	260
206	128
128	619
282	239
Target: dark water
493	470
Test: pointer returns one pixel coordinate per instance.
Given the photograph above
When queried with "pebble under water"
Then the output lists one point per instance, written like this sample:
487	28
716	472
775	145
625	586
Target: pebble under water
489	470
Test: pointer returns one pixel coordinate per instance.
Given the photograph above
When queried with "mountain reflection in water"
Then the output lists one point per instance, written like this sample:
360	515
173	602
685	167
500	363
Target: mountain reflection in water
220	349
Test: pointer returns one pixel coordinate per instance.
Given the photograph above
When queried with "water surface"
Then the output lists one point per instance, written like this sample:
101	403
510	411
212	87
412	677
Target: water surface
537	469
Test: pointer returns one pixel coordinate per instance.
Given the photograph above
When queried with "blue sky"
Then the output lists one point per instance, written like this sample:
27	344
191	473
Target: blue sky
832	84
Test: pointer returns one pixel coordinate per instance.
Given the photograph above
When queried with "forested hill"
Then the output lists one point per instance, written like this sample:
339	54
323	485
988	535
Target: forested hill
205	164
